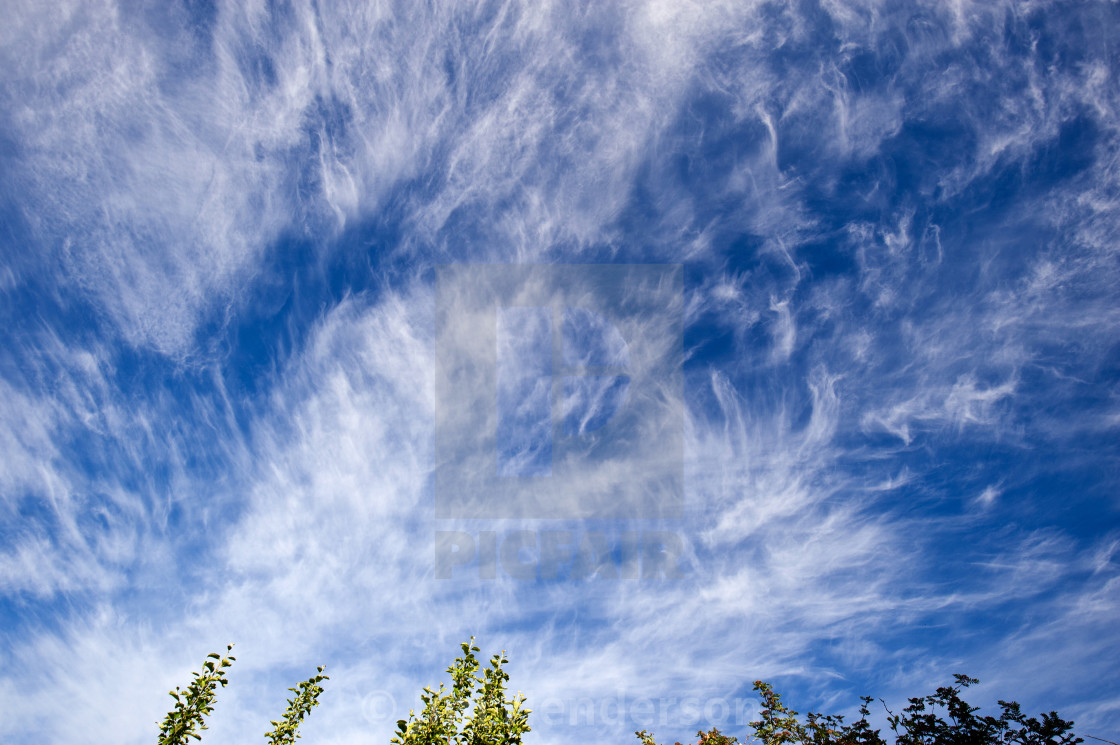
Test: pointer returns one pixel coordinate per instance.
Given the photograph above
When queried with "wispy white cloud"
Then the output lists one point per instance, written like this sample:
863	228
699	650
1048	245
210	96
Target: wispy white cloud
161	166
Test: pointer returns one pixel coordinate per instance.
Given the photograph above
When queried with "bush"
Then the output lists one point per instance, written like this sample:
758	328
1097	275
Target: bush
494	720
920	723
942	718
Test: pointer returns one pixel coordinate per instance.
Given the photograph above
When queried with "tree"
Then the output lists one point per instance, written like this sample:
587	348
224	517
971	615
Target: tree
920	723
495	719
307	696
194	704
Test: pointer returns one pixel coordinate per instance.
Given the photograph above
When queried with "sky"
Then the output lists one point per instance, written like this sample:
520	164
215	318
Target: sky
665	345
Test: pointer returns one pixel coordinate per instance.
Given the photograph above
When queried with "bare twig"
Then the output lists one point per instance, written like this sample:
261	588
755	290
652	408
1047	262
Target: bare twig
1102	739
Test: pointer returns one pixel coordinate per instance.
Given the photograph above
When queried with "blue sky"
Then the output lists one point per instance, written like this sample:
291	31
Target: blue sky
879	379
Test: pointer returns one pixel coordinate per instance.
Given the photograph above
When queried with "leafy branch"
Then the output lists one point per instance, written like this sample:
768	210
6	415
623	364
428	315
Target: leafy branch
193	705
307	697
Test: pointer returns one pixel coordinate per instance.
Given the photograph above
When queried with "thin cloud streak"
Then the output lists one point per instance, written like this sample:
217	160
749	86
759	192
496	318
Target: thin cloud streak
899	312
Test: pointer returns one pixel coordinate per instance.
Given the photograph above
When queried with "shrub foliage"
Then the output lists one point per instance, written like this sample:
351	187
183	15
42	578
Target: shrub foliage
922	722
477	710
494	719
